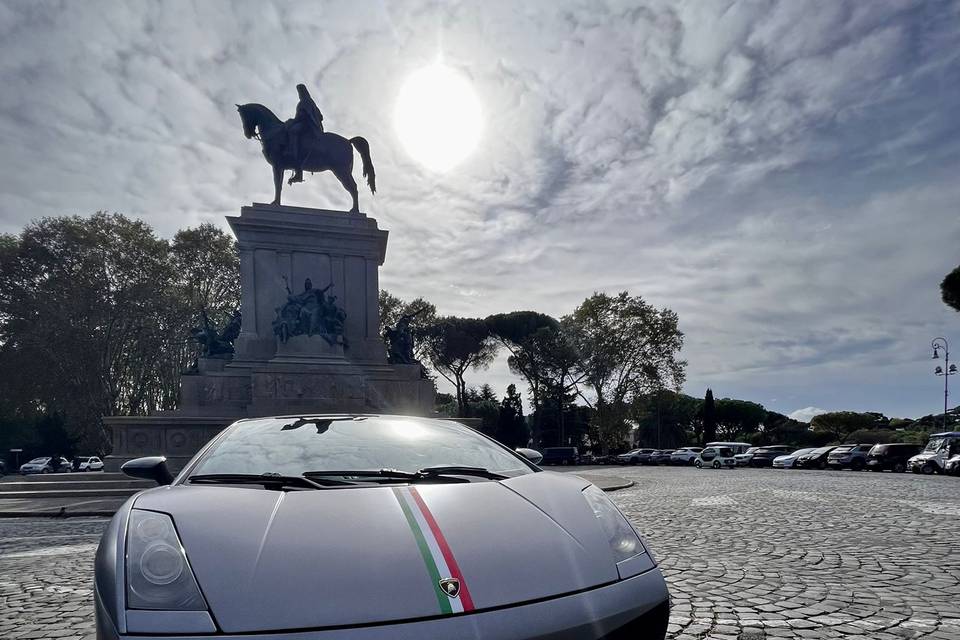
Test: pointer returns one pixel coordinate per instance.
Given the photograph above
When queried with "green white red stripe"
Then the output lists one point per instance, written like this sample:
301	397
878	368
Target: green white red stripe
436	553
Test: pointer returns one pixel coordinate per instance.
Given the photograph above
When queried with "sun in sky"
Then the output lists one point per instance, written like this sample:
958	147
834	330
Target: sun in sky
438	117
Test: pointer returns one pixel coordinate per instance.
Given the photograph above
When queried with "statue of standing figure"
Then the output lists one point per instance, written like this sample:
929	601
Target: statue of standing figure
400	340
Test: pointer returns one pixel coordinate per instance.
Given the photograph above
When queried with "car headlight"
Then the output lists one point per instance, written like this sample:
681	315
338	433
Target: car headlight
158	573
624	541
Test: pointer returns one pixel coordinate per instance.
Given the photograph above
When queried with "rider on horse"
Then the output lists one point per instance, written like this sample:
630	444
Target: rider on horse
308	121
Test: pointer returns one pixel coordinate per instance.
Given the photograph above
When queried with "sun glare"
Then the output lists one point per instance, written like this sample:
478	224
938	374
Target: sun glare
438	117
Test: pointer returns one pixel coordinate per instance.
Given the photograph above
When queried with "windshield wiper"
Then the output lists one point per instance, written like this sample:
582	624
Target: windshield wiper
453	470
265	479
427	473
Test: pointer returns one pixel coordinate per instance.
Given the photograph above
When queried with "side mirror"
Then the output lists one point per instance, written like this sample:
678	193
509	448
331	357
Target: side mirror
149	468
532	455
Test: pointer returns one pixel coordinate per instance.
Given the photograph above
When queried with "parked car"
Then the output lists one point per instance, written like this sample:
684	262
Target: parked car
764	456
560	455
850	456
45	465
430	530
743	459
88	463
816	459
716	458
737	447
892	456
940	448
788	461
685	455
661	457
636	456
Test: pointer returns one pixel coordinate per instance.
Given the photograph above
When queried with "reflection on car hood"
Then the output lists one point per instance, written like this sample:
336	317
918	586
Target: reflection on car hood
269	560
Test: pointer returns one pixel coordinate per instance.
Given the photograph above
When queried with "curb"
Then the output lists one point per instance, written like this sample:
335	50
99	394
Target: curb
57	514
69	493
617	487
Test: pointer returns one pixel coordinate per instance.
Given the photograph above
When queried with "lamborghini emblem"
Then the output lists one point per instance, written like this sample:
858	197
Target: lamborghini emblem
450	586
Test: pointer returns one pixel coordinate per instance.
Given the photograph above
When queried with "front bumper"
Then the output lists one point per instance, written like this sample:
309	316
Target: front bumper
637	607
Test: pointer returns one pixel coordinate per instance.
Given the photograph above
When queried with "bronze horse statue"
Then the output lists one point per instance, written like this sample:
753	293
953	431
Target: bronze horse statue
325	152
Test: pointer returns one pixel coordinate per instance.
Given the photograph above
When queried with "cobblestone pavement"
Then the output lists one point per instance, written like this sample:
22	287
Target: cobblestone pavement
46	577
748	554
767	553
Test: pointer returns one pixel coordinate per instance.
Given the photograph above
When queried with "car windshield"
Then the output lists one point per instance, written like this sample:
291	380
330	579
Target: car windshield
293	446
802	452
935	444
40	461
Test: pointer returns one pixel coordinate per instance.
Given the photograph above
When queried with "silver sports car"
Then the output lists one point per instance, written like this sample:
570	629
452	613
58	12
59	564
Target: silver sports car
369	527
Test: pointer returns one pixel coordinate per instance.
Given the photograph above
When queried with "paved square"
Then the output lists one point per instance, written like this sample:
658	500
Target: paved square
769	553
748	554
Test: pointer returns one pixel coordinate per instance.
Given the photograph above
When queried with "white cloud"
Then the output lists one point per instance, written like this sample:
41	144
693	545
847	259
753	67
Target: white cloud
806	414
781	174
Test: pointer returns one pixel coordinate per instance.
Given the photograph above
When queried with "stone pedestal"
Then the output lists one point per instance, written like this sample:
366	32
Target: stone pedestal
281	247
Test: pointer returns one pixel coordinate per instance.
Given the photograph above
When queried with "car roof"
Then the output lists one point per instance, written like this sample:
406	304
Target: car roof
946	434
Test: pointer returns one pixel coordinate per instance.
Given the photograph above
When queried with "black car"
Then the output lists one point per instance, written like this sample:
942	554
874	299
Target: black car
763	457
560	455
816	459
891	456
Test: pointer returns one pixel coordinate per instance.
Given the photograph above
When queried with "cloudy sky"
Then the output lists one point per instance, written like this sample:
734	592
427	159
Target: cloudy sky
784	175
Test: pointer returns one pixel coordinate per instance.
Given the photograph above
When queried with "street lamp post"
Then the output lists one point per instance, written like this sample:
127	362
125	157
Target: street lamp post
946	371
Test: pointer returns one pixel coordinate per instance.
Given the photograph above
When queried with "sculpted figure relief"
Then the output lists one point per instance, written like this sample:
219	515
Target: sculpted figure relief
310	312
214	344
400	340
301	144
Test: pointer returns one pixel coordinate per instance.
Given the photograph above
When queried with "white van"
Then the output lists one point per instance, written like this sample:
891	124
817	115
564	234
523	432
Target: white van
933	458
738	447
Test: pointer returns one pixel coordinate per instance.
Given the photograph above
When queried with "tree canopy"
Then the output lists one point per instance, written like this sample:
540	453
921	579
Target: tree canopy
625	347
950	289
454	346
94	315
841	424
708	416
738	419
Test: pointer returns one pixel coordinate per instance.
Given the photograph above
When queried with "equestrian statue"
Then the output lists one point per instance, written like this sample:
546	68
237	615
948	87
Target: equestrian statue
301	144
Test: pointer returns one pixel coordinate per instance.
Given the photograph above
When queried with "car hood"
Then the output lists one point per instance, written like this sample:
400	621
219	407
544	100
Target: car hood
268	560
